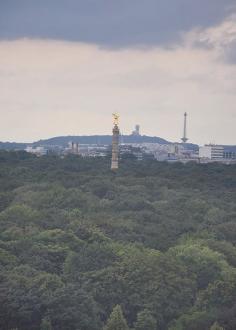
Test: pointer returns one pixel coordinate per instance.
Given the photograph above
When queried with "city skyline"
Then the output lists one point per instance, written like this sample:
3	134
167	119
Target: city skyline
67	65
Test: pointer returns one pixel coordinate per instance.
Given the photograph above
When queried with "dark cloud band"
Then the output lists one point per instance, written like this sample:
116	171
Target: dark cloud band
109	23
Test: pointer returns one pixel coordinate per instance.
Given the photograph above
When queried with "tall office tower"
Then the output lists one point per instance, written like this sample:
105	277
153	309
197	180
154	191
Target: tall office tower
184	138
115	142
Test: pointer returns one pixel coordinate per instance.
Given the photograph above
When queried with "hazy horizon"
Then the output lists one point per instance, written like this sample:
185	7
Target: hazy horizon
67	65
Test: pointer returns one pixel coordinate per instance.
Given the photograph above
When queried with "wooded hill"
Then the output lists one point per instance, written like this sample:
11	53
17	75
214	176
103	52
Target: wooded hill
63	141
151	247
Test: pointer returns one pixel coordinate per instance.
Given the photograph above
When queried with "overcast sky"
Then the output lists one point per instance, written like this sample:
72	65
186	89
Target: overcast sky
66	65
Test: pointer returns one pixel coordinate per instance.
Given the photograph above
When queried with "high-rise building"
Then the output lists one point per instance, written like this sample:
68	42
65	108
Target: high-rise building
115	143
211	151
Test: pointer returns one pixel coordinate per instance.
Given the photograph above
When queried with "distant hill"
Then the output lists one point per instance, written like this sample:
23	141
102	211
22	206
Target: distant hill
90	139
190	146
13	145
97	139
100	139
106	140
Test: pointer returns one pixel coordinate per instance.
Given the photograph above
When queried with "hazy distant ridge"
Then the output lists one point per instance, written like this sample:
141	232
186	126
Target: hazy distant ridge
100	139
95	139
83	139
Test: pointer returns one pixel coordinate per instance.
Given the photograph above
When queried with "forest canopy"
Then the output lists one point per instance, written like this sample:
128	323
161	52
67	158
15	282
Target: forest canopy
149	247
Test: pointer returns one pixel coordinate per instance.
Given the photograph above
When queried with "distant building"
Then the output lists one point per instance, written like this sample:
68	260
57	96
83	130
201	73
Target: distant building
212	152
136	131
128	150
73	148
38	151
230	152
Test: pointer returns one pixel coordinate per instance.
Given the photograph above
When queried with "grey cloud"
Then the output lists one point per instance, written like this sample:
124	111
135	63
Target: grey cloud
227	52
109	23
221	39
230	53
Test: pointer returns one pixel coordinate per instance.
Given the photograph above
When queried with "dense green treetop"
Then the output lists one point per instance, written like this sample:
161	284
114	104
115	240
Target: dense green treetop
77	239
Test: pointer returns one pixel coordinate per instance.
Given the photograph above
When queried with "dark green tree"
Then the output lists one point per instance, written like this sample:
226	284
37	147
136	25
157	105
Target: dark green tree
145	321
46	324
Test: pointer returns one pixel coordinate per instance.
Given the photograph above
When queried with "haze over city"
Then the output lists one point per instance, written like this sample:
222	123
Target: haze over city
67	65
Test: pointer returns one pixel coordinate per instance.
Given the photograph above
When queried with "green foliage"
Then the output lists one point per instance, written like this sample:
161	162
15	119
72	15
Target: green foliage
194	320
145	321
216	326
6	258
116	320
18	215
46	324
200	260
76	239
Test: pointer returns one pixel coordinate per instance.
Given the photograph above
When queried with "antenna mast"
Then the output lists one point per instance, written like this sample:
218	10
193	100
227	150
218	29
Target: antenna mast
184	138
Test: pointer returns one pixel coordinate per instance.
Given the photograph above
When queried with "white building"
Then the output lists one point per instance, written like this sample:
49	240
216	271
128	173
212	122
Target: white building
211	151
38	151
